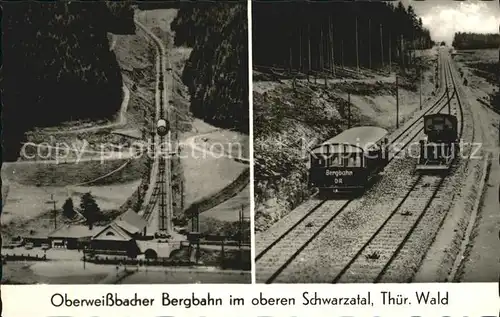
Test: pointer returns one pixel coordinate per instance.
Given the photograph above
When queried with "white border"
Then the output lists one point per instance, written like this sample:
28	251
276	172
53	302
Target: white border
453	299
250	136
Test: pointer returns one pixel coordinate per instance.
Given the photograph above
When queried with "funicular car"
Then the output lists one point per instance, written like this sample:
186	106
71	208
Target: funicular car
348	161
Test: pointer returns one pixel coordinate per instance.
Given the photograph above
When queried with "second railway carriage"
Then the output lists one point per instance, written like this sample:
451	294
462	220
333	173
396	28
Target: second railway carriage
439	146
346	162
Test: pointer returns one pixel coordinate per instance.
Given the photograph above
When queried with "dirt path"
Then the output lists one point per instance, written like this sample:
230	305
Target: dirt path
482	263
467	246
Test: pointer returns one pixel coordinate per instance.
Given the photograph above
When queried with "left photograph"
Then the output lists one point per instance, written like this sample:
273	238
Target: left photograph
125	139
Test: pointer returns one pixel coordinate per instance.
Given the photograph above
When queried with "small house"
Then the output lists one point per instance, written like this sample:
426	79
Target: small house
120	236
114	240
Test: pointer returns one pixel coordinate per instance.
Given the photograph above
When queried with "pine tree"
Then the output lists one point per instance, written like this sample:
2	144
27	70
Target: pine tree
272	40
68	208
90	209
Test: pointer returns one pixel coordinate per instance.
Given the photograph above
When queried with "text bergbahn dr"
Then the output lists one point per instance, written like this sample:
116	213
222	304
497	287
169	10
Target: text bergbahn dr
308	299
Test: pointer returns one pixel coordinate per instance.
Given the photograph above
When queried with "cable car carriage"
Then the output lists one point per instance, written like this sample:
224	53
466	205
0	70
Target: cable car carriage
347	162
162	127
439	146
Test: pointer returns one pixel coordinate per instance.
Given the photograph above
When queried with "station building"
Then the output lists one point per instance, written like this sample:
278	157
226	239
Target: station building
120	236
72	237
124	237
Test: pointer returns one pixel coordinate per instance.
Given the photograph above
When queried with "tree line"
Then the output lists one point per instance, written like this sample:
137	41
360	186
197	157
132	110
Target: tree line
88	209
57	65
465	41
216	72
315	35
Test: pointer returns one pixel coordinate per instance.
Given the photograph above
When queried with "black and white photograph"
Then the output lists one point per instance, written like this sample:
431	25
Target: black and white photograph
376	141
125	143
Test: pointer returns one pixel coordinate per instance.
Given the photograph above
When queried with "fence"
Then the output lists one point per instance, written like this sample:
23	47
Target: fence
225	259
22	257
140	262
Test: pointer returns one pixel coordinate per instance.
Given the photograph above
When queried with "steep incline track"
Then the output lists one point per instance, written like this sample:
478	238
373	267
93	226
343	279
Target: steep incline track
160	182
282	248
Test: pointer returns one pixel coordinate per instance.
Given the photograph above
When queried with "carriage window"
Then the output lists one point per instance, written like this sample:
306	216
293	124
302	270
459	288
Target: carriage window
335	160
354	160
374	154
318	161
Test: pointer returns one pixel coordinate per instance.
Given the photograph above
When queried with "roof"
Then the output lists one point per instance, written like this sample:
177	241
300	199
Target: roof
36	237
112	233
355	138
74	231
440	115
131	222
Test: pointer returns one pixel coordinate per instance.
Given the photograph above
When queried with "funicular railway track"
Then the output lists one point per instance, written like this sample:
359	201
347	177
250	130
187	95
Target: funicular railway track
275	256
390	239
160	193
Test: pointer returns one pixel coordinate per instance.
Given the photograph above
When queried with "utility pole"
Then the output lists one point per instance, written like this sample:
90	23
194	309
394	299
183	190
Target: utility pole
331	30
300	49
381	46
195	228
390	53
370	42
53	202
420	89
326	51
321	54
402	54
397	102
357	53
320	50
309	49
342	53
240	240
348	110
448	97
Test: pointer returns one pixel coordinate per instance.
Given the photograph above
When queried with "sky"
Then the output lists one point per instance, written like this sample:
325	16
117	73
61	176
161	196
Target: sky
445	17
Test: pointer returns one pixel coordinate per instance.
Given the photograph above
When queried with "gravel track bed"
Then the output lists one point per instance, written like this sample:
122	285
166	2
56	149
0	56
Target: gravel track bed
339	241
386	241
271	261
407	264
358	219
327	255
293	242
266	238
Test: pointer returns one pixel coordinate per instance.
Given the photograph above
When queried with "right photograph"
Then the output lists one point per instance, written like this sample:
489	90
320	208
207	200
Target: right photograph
376	141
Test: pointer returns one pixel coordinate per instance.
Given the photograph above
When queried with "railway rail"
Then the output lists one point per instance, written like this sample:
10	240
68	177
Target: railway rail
391	237
161	192
282	248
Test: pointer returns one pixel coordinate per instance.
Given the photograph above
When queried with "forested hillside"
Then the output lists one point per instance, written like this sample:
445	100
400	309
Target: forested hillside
216	72
149	5
470	41
57	64
288	34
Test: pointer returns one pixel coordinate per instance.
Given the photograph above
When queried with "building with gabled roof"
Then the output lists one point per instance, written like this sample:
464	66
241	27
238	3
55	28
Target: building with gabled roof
119	237
131	222
72	236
